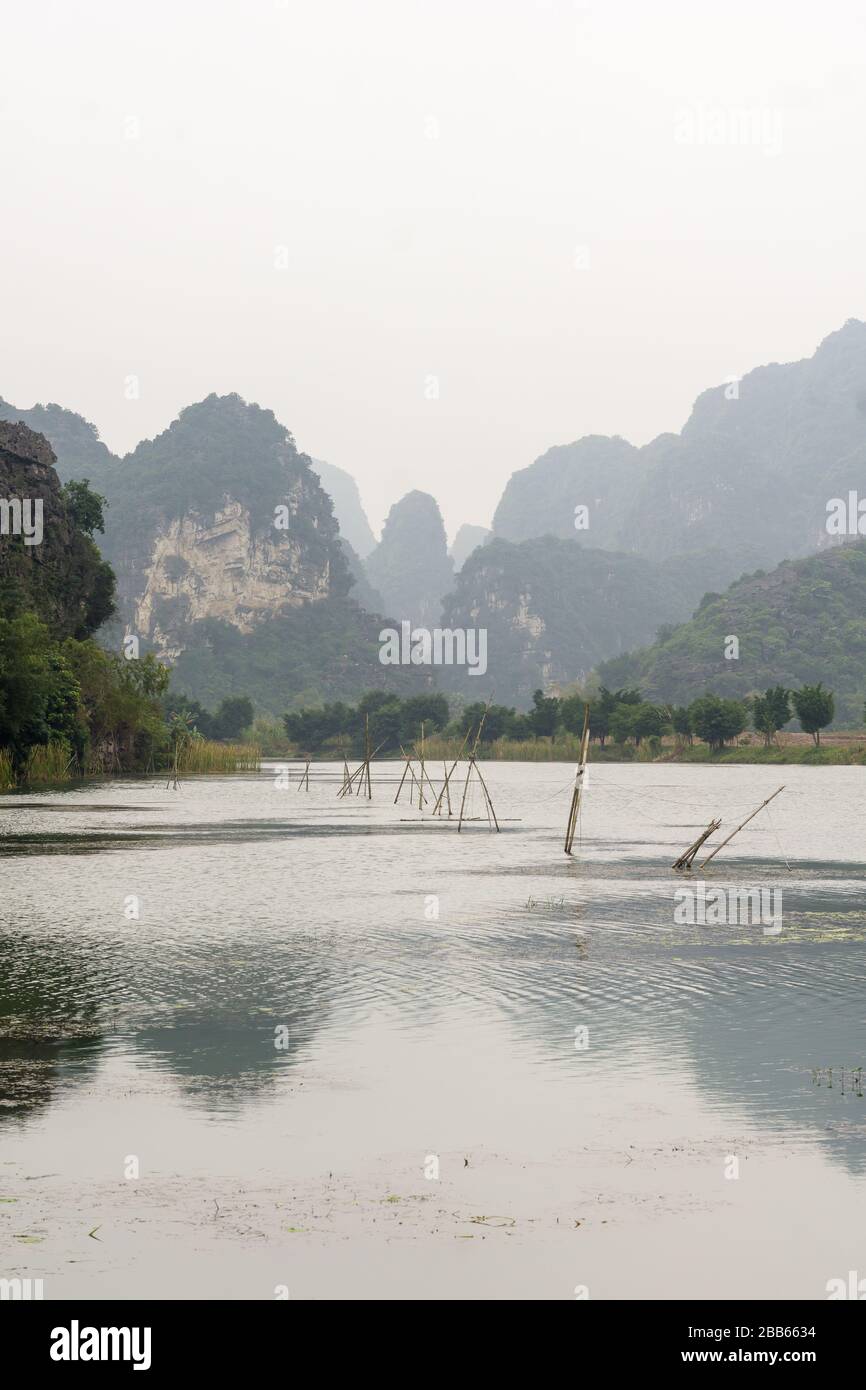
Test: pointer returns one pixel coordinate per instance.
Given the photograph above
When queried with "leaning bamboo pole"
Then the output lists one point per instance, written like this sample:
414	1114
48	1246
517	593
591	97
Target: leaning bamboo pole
578	780
437	809
739	827
687	858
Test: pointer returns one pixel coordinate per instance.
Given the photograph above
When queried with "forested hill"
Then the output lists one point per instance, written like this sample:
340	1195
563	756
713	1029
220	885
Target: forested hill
553	610
79	451
803	622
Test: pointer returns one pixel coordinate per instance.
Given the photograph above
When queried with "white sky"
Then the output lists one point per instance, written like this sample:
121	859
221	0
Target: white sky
307	124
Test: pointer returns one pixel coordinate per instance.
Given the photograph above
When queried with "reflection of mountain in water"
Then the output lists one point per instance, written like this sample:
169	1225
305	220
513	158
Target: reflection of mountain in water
750	1017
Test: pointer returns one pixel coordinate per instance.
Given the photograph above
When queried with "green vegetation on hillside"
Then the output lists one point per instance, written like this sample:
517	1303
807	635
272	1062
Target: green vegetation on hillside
803	623
305	655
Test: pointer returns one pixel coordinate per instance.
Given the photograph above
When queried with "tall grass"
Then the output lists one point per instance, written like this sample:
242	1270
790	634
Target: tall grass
48	762
7	772
565	748
206	755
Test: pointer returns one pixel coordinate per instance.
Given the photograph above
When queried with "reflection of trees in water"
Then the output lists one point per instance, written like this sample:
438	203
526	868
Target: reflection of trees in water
51	1020
221	1043
58	1009
226	1059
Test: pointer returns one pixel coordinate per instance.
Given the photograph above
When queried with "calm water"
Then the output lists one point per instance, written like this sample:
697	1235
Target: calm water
431	1128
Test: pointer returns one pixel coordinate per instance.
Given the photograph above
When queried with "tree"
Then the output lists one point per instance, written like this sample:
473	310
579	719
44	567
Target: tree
309	729
770	712
602	709
571	713
815	709
432	710
496	723
86	507
233	716
716	721
681	722
39	692
544	714
622	723
648	721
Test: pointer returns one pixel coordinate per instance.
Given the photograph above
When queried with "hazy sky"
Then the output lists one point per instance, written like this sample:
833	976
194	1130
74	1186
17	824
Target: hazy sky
573	217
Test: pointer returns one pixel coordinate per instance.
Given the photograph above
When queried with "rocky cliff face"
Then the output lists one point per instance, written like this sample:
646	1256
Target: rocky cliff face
348	507
468	538
221	567
219	518
411	567
48	565
750	473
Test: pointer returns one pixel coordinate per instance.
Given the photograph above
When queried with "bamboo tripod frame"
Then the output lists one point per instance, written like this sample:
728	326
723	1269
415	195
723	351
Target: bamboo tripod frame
474	768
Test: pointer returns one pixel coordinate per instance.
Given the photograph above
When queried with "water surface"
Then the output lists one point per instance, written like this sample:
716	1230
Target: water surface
429	986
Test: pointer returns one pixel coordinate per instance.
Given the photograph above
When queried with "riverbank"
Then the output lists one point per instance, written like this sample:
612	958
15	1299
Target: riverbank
52	764
841	749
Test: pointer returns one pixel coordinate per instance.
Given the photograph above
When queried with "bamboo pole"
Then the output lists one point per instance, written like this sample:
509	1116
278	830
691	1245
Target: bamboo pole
473	767
405	770
447	789
437	808
686	859
360	773
740	827
571	826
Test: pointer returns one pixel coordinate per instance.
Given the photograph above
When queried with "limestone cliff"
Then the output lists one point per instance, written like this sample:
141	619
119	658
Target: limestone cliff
219	518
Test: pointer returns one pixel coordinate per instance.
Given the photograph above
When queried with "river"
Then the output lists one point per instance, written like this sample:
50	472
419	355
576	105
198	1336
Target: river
262	1042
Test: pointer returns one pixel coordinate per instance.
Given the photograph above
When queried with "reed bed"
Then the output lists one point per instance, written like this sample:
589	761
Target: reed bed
563	749
206	755
48	762
7	772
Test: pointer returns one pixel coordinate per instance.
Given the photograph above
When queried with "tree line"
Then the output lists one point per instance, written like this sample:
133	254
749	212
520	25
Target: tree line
623	716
